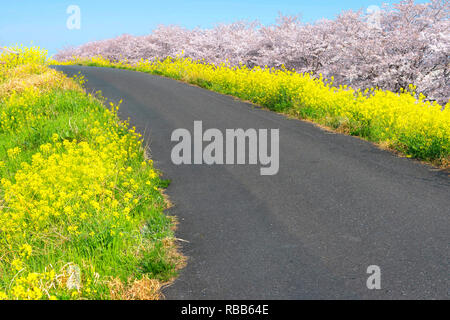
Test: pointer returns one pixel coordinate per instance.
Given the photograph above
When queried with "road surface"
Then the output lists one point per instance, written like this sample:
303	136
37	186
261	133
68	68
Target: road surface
337	206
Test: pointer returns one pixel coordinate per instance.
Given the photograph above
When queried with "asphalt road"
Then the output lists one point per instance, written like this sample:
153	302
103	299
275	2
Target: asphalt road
337	205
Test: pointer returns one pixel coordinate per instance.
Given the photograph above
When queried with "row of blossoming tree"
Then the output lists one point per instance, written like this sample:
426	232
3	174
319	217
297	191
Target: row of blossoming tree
398	45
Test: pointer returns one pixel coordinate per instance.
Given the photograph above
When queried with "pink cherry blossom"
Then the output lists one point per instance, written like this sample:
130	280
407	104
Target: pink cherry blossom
401	44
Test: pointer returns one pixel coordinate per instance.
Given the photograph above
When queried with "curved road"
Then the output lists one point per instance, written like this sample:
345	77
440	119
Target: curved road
337	205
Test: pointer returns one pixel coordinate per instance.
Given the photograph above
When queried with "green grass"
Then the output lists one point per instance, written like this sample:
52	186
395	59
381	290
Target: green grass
107	220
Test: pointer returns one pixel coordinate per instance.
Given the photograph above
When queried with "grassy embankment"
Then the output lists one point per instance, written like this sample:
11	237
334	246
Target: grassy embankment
81	208
403	122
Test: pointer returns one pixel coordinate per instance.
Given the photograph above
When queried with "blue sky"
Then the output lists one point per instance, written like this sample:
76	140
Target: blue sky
43	22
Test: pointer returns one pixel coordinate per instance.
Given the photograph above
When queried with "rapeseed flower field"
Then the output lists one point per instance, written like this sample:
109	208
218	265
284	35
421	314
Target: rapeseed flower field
402	121
81	208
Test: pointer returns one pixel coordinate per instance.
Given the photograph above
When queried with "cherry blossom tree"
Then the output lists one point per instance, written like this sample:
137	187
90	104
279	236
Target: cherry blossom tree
390	47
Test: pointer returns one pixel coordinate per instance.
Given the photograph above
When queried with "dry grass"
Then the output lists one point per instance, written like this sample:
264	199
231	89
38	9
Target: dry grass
143	289
147	288
36	76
